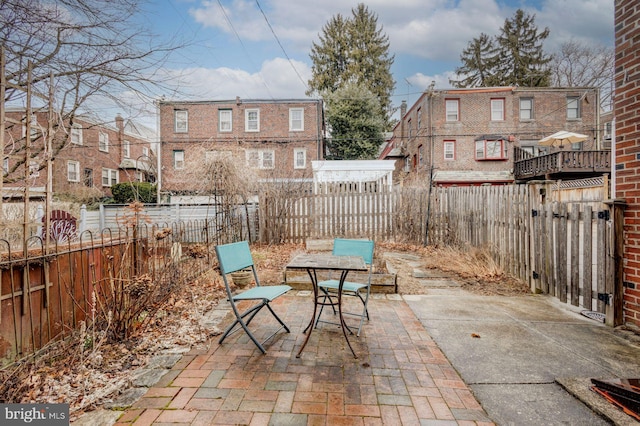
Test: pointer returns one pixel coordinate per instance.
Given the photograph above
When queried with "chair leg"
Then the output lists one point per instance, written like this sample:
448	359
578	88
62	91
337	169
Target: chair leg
251	313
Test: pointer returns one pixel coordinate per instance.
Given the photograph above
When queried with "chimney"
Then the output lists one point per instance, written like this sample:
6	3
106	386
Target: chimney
119	122
403	109
403	112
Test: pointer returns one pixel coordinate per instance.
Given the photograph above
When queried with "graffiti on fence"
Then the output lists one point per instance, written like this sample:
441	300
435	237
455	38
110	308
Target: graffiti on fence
62	226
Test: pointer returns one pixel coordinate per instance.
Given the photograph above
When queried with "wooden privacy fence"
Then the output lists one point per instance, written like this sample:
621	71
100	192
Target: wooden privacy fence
558	238
47	292
385	215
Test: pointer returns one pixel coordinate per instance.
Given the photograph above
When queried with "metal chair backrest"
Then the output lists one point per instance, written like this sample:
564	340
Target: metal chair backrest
348	247
234	257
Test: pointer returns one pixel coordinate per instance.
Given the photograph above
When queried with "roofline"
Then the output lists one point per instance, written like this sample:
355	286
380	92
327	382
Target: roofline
241	101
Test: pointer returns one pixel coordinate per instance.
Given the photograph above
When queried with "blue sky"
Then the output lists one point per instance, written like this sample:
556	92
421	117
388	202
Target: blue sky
233	50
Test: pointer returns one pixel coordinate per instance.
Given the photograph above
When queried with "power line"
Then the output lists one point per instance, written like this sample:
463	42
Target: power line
281	47
243	46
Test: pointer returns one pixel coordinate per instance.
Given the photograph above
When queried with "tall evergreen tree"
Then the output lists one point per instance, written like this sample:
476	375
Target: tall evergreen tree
353	50
521	59
330	56
355	124
478	63
514	57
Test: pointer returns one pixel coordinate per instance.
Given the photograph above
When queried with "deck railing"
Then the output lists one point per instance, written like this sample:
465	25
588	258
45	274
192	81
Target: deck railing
583	163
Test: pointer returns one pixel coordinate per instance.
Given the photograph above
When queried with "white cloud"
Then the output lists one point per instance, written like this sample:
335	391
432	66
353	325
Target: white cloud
277	78
588	21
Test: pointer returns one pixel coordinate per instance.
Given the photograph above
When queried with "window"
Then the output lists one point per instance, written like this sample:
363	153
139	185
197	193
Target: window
5	165
181	121
526	108
607	130
420	155
260	159
573	107
491	150
145	151
419	118
178	159
126	149
76	134
33	126
577	146
407	164
531	146
103	142
299	158
109	177
73	171
296	119
88	178
497	109
449	150
410	130
34	169
252	120
453	109
225	120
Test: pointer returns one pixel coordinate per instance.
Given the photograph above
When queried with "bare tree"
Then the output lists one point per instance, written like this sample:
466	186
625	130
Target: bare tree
581	65
93	49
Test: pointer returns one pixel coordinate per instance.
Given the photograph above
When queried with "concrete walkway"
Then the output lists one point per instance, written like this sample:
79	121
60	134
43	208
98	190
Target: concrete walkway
401	377
529	359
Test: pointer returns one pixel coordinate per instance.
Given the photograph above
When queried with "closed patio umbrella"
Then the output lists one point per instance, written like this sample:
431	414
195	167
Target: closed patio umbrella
562	137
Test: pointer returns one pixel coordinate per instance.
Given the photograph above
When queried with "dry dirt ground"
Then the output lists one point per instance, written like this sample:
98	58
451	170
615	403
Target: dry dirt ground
86	371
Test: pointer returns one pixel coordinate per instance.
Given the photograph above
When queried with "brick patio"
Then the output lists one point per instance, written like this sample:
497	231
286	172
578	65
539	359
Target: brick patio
400	377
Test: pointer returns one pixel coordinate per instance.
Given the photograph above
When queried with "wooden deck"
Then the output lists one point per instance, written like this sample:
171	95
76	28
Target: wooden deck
561	165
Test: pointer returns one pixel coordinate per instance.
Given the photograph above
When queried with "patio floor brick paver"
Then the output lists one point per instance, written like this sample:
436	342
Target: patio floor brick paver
401	377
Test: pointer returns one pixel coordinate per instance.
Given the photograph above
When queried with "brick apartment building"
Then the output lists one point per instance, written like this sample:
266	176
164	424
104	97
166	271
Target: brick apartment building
271	139
88	155
627	148
467	135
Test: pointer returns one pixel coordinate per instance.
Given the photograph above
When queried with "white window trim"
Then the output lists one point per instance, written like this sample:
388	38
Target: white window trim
76	134
77	171
145	151
222	112
297	151
259	161
178	164
293	128
181	116
103	141
449	150
449	112
111	175
497	109
126	149
246	119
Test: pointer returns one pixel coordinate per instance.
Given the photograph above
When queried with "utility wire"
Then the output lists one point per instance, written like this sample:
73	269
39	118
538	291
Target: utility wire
243	46
281	47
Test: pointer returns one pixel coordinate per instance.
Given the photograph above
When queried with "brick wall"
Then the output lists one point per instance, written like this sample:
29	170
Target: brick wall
88	156
549	116
204	135
627	146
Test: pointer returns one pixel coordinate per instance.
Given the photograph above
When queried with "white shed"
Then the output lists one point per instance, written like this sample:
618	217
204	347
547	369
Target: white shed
352	175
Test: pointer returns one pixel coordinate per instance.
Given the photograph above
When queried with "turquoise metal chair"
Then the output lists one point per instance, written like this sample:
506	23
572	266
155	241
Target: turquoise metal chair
361	290
235	257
